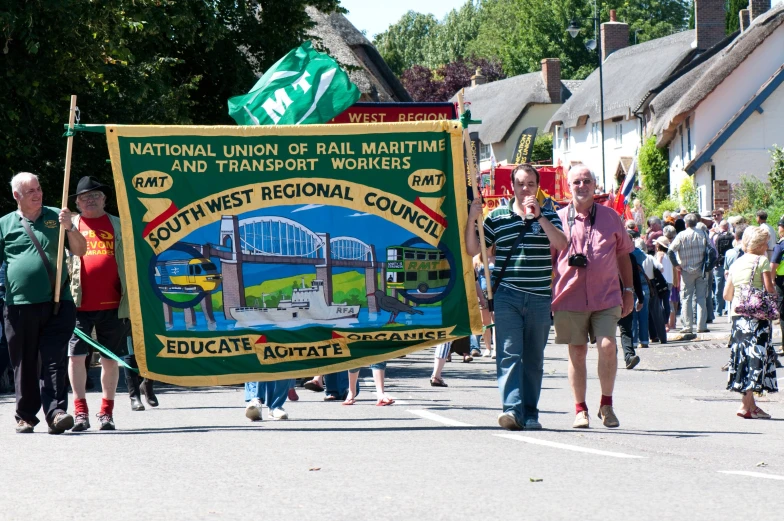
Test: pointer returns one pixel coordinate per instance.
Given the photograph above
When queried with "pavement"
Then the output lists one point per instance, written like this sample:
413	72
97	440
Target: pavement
437	453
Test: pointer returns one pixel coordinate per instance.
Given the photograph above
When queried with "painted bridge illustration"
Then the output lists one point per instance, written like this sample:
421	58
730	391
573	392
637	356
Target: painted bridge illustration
279	240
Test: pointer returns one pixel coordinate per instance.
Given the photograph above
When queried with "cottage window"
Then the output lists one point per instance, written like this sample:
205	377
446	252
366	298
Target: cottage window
484	152
558	143
595	133
567	133
618	135
688	139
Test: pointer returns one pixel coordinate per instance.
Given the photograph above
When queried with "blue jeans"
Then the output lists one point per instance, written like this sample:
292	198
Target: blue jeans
718	300
379	366
522	325
272	394
640	320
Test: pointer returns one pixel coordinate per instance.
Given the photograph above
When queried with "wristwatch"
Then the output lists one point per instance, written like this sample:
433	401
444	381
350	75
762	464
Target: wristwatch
539	216
630	290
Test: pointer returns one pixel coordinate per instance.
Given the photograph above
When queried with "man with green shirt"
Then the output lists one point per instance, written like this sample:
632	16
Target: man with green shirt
34	333
522	302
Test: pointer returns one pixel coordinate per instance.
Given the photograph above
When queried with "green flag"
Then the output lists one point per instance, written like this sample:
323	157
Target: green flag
305	86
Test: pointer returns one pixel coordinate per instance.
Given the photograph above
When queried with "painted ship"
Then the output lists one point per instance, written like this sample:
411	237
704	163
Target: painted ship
306	305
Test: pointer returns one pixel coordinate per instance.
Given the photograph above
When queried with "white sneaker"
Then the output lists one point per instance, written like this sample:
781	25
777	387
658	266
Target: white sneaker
278	414
253	410
485	353
492	355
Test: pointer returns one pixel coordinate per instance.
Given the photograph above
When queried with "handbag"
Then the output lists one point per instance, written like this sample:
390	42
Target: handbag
756	302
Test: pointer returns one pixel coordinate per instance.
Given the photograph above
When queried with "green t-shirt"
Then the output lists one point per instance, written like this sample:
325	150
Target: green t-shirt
27	281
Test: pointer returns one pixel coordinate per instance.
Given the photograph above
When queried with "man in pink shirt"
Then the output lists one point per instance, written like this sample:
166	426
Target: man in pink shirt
588	297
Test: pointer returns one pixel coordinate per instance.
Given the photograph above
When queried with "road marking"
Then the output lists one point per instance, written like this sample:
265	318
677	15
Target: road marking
438	418
752	474
575	448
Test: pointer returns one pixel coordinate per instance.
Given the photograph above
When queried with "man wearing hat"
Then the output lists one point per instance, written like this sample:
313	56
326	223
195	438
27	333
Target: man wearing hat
98	289
37	335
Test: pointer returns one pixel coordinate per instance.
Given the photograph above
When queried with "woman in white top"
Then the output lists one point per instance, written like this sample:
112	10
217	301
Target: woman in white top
752	365
662	246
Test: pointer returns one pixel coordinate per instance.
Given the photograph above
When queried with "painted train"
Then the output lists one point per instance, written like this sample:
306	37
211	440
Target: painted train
187	276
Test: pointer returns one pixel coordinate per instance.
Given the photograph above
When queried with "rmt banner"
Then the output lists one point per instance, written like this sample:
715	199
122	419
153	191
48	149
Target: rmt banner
269	252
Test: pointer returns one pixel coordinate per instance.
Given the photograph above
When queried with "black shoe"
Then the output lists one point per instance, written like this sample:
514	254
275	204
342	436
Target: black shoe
82	422
107	422
62	422
632	362
22	427
149	394
136	404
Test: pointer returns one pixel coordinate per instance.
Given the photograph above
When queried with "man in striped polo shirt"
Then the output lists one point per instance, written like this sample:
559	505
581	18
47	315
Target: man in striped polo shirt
522	302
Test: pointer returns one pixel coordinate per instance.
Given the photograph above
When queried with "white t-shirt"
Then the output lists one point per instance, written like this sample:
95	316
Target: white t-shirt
648	265
666	269
773	237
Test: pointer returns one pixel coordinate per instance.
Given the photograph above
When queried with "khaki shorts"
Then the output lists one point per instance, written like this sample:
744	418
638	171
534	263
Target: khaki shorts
578	327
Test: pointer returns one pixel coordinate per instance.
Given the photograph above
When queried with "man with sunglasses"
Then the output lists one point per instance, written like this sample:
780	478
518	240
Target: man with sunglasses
587	299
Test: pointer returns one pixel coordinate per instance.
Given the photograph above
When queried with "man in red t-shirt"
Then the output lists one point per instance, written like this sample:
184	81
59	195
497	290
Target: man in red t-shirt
97	285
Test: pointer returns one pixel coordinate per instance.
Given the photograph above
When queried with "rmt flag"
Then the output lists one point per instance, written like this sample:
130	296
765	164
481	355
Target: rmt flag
305	86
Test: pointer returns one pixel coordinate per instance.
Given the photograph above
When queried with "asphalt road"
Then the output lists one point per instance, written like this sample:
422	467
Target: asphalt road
680	453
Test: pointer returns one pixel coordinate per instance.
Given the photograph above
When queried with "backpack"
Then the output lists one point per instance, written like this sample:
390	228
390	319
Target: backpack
723	242
711	258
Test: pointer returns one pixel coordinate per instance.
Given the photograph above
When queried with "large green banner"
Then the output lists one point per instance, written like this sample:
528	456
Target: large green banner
261	253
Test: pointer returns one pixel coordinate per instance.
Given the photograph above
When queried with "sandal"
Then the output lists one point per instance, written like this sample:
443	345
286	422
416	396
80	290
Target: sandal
437	382
313	385
759	414
349	401
467	358
385	401
746	414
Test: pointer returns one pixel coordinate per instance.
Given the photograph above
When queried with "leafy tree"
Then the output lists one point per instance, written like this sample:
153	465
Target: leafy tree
750	195
543	148
654	169
420	83
522	32
776	175
404	43
129	61
692	16
649	19
425	85
733	14
688	195
420	39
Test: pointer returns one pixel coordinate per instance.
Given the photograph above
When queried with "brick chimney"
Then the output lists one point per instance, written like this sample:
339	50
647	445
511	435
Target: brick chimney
709	22
478	78
615	35
743	15
757	7
551	74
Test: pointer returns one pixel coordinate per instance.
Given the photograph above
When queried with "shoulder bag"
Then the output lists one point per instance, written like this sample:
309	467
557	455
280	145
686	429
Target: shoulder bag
40	250
756	302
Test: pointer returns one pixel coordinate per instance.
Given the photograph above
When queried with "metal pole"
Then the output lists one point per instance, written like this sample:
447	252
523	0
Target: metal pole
601	85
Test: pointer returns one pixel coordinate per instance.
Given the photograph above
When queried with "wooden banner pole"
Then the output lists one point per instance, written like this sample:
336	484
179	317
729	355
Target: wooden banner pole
480	219
66	185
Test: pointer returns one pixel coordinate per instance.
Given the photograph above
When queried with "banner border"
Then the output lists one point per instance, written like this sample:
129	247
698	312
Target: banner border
114	132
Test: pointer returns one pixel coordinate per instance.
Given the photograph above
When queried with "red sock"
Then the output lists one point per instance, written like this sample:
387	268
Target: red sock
579	407
80	405
606	400
107	406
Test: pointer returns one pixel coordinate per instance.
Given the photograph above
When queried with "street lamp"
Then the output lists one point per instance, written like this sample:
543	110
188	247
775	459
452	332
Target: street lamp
573	30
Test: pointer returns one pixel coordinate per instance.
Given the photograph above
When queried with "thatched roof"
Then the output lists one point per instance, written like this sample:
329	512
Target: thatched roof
629	74
334	34
499	104
736	121
674	103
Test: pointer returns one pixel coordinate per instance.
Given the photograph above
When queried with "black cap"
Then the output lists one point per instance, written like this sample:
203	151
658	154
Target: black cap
89	184
781	222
